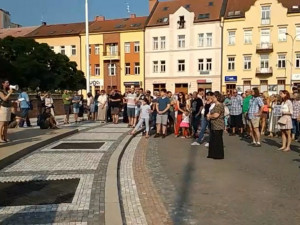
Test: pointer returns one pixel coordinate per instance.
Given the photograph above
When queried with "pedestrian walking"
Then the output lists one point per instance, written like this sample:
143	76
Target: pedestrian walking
5	109
285	121
102	106
216	118
24	103
236	112
163	106
67	106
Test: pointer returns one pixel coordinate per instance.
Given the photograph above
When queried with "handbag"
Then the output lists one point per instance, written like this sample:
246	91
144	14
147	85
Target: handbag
283	120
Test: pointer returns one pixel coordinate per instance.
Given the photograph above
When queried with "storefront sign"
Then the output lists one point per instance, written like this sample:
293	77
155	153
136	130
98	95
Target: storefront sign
131	83
296	77
230	78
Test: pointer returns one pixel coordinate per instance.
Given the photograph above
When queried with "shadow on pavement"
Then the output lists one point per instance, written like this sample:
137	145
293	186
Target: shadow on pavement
179	213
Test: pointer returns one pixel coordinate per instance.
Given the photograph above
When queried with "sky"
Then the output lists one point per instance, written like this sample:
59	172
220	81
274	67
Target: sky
33	12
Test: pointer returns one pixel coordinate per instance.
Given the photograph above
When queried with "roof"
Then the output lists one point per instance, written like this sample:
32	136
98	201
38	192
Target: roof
238	8
57	30
137	23
16	32
205	10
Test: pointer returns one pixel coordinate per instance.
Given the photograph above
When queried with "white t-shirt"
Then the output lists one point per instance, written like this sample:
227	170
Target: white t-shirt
145	111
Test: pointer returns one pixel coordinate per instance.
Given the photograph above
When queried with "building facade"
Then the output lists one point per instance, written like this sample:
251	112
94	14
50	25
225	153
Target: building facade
261	45
183	46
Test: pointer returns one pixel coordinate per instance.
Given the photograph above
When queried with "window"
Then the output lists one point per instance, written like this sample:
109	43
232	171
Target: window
137	69
231	37
208	64
155	66
200	64
127	68
248	36
97	49
231	63
201	39
127	47
112	69
298	33
281	61
136	46
265	15
90	49
297	60
181	65
162	66
181	41
155	43
162	42
73	49
209	39
158	87
62	50
282	34
97	70
247	62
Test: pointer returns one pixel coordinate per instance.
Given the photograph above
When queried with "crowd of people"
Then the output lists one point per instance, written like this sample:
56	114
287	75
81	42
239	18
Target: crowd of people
250	114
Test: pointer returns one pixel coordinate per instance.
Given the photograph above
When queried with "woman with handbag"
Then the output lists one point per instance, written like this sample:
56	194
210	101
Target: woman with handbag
285	121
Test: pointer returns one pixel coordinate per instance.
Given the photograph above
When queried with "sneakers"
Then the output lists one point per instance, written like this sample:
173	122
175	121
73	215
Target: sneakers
195	143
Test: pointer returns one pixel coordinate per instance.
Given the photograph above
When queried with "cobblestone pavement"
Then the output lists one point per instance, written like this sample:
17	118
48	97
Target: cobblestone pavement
49	163
251	186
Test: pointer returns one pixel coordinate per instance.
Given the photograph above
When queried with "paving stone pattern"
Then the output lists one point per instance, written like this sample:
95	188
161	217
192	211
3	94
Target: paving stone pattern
88	165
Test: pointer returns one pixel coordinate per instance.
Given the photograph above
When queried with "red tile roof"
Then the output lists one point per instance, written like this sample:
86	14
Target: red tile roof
205	10
16	32
54	30
137	23
238	8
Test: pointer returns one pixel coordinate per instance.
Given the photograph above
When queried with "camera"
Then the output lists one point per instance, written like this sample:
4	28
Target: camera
14	87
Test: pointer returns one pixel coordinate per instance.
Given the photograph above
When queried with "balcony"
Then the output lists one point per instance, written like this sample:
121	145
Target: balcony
111	55
264	48
264	71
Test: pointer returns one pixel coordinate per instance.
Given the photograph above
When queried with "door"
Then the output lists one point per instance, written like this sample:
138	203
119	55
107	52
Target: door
265	38
181	88
264	63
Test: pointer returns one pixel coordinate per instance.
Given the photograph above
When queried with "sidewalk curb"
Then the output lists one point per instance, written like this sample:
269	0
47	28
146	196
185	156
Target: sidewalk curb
113	215
12	158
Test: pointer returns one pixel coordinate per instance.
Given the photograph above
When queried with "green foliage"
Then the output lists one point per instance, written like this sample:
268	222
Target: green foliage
30	64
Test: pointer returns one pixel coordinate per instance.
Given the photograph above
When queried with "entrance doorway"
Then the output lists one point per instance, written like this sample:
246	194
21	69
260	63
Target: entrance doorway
230	88
181	88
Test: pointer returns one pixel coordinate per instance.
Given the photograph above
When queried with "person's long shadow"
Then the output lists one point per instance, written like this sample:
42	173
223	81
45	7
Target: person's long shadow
180	212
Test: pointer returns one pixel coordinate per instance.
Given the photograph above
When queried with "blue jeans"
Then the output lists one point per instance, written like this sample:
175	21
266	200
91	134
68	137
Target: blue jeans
295	129
204	125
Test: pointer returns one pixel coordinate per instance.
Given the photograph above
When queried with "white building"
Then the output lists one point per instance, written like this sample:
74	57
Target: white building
183	46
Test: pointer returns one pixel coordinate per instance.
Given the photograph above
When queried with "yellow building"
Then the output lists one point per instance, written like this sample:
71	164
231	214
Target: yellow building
116	53
261	45
62	38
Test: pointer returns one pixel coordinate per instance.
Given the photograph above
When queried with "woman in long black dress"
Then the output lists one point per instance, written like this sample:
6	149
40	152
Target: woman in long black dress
216	117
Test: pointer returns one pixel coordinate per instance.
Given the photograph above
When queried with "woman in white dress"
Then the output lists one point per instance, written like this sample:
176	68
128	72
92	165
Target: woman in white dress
285	121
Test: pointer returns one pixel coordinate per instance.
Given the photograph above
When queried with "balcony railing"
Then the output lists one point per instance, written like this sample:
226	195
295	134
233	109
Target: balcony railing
111	53
264	48
264	71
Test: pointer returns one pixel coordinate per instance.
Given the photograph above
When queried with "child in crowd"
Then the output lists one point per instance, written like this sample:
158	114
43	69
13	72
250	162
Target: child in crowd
185	124
145	112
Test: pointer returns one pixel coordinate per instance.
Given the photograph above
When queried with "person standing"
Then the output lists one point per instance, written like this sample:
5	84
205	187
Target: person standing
216	118
5	110
254	113
285	121
76	105
115	100
196	108
236	110
163	106
67	106
131	104
25	107
102	107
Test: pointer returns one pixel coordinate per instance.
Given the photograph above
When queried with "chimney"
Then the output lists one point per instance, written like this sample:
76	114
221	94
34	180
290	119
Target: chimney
132	16
151	5
99	18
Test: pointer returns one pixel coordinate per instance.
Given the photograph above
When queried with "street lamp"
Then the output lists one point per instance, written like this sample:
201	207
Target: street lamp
292	57
87	45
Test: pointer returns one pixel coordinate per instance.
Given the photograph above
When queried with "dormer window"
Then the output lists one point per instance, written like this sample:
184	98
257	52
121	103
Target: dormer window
181	22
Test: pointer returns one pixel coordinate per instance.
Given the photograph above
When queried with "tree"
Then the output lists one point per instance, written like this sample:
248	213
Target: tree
31	64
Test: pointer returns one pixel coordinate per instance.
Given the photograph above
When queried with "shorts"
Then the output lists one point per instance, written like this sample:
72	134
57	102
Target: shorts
162	119
115	110
76	110
67	109
236	121
130	112
254	122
